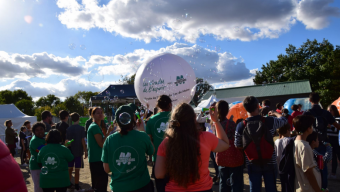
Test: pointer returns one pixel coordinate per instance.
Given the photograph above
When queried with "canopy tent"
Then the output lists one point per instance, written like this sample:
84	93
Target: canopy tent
116	94
10	111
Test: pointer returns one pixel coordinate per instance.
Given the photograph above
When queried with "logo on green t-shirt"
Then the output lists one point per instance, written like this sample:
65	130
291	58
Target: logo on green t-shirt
51	160
125	159
162	127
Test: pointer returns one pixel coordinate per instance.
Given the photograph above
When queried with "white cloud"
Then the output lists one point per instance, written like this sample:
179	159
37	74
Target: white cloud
241	83
173	19
39	65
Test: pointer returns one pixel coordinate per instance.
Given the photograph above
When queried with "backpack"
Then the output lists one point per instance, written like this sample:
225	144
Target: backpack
287	167
232	157
258	143
320	126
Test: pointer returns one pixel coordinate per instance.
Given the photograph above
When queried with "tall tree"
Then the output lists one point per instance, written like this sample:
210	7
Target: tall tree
26	106
49	100
84	96
57	108
73	105
39	110
8	97
318	62
126	80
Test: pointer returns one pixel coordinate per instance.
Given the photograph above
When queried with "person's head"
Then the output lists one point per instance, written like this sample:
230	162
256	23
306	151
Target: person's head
90	111
53	137
8	123
97	114
23	129
38	129
46	116
294	107
303	124
63	115
266	102
27	124
126	119
285	111
313	140
183	149
251	104
300	107
279	106
314	98
222	110
333	110
75	117
284	130
164	103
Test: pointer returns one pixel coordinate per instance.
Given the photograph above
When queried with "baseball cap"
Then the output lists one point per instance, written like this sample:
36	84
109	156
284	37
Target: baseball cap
125	111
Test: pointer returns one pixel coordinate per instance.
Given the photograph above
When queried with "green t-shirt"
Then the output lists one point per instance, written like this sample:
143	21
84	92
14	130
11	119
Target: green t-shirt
94	151
156	127
35	145
54	172
126	158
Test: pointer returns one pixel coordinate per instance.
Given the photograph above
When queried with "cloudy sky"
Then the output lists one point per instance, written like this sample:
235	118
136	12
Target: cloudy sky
65	46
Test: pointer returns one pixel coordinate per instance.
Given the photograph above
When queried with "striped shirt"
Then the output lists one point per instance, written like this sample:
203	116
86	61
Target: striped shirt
272	123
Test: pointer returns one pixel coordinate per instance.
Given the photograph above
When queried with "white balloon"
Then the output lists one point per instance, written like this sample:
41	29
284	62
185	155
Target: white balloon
164	74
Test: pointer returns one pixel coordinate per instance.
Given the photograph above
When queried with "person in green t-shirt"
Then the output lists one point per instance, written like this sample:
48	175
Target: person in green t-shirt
53	160
156	128
36	143
95	142
124	154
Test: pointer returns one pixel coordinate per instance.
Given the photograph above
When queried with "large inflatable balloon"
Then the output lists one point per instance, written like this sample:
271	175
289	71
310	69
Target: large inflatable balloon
234	103
303	101
164	74
337	104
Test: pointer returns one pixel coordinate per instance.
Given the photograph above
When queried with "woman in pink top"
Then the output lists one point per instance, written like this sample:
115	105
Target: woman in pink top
183	156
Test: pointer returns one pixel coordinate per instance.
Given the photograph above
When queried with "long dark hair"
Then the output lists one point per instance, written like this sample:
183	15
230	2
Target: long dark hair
335	110
183	149
222	110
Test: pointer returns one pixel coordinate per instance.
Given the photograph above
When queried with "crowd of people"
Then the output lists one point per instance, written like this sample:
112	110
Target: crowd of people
181	144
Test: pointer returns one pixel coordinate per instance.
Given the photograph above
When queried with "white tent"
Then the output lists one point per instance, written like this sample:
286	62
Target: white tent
212	98
10	111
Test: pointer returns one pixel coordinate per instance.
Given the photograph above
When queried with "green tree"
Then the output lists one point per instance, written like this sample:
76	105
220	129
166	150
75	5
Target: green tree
26	106
84	96
39	110
73	105
49	100
57	108
318	62
126	80
8	97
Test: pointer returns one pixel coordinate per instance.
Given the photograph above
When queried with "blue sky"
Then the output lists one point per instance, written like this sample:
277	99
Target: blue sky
36	36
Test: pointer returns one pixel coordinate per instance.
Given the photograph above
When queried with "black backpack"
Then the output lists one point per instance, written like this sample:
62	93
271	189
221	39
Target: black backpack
320	125
287	167
258	143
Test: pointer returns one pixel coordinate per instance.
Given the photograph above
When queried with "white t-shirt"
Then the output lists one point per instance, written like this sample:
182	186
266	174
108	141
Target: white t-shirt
280	144
304	159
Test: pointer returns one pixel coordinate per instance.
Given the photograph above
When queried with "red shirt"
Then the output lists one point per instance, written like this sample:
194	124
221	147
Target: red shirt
278	110
296	113
208	143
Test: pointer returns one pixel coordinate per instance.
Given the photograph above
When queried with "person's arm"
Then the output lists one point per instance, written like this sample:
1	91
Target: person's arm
106	167
23	144
336	125
99	138
160	169
140	125
279	121
84	147
223	143
312	180
238	136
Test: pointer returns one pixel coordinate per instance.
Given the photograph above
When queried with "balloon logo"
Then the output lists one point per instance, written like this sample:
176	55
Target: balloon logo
164	74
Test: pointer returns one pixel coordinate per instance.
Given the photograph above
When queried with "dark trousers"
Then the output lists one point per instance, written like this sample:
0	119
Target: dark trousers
147	188
212	156
231	179
336	152
63	189
160	183
324	173
11	148
22	155
99	177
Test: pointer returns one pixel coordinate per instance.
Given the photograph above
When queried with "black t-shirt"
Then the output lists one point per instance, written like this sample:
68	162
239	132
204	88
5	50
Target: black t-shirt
62	127
22	136
317	110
